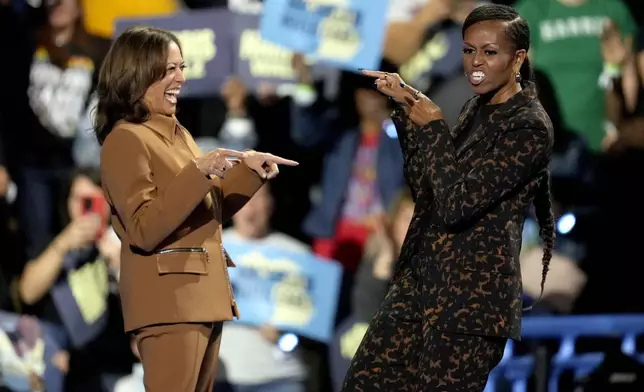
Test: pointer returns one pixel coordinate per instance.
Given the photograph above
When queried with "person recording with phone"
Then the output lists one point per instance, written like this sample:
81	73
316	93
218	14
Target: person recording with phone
67	283
168	204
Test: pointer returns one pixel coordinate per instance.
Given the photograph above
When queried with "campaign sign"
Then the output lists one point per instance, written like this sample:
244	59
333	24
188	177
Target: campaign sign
294	291
80	296
348	34
258	60
27	348
206	44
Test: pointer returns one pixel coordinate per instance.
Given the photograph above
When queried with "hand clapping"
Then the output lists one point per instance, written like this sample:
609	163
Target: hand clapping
420	109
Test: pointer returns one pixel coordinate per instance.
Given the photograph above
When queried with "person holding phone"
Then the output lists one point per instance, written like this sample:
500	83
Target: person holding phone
168	204
66	284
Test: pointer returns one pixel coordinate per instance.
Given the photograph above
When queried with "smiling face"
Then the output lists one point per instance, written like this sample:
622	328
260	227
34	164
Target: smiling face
490	59
161	96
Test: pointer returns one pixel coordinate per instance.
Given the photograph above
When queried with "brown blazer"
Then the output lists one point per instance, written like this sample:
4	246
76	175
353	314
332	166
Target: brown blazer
168	216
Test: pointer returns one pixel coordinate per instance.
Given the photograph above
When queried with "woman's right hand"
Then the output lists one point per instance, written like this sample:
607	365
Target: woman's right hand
390	84
217	162
80	233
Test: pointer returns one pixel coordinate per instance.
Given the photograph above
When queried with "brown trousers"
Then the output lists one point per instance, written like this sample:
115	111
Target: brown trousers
179	357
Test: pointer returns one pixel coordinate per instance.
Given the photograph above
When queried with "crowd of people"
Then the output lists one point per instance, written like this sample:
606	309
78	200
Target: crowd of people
348	199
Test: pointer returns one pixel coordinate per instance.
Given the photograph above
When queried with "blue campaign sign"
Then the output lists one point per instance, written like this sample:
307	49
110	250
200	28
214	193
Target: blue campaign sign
205	37
346	33
27	348
294	291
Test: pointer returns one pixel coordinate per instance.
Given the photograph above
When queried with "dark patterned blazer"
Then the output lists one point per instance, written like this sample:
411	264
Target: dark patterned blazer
470	207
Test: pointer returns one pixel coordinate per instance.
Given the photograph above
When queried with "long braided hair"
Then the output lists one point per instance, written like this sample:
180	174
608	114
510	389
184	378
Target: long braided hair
518	32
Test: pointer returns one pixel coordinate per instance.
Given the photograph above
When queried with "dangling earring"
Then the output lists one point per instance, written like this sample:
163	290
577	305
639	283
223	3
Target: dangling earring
517	77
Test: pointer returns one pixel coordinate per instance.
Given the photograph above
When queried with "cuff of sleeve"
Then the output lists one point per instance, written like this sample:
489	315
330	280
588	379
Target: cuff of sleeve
190	177
253	172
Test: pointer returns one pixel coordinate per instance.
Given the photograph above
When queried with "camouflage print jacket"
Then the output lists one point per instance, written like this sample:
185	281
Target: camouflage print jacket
465	237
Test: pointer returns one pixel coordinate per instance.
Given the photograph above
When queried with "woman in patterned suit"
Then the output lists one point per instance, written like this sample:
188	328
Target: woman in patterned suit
455	297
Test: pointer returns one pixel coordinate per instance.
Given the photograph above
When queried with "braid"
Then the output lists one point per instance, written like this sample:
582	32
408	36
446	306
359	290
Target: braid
546	220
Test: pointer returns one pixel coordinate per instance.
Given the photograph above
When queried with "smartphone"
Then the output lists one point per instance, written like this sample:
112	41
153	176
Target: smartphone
96	205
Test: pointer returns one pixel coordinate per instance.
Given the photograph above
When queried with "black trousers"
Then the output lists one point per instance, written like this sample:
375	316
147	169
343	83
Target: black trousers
402	352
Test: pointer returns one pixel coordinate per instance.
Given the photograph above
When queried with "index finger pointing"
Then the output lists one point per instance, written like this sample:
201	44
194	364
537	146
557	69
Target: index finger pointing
283	161
374	74
231	153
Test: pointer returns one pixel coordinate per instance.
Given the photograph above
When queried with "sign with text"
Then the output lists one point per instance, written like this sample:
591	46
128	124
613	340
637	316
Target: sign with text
206	44
27	351
294	291
80	296
256	59
346	33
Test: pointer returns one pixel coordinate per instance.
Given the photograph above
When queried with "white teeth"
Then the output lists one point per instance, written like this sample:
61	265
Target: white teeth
171	95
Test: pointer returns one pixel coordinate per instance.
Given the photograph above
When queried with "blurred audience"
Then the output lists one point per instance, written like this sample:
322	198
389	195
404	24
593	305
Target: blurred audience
54	69
253	360
362	168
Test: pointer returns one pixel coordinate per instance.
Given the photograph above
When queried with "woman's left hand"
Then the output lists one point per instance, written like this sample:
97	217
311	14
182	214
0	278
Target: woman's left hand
420	109
265	164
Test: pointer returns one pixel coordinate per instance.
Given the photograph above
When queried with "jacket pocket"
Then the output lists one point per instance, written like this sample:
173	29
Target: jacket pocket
486	262
182	261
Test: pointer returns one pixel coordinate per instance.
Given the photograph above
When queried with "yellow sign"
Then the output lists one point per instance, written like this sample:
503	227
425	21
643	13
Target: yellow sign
423	61
89	287
350	341
199	48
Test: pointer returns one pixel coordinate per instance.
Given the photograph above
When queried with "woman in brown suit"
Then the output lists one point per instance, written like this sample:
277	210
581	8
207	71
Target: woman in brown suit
168	205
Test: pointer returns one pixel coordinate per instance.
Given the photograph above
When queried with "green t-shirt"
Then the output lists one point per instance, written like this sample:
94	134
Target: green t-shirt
566	45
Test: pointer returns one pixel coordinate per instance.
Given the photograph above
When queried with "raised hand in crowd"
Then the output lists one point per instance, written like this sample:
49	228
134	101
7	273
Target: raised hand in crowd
79	233
614	50
302	70
234	93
